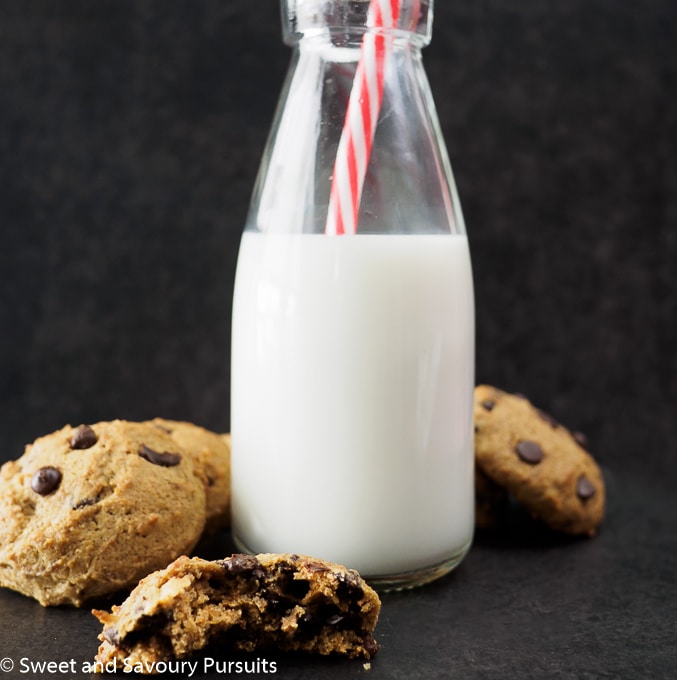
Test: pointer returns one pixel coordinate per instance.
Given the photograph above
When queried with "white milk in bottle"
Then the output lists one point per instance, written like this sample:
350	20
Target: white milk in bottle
352	376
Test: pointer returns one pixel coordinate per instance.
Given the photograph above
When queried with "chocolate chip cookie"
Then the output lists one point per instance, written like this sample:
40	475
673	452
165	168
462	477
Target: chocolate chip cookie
538	461
266	602
491	501
211	455
89	510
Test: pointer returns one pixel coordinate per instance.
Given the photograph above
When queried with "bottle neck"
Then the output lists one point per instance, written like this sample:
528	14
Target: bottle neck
336	41
343	23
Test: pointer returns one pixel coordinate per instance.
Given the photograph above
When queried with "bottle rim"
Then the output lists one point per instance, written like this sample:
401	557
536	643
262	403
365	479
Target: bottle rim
347	20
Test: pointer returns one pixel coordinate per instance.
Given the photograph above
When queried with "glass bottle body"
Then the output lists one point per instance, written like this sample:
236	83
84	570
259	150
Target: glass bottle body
353	356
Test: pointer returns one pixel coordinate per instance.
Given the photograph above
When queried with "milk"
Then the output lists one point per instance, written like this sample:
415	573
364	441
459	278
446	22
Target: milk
351	399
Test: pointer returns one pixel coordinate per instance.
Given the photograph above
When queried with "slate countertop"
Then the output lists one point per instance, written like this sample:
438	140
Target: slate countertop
524	604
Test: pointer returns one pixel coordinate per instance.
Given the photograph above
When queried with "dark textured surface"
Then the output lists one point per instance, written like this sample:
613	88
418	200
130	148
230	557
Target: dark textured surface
524	604
130	135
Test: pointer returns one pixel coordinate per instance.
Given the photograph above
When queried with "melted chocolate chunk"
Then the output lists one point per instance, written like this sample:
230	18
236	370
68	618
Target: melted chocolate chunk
324	615
488	404
585	489
529	452
165	459
335	619
46	480
83	437
111	635
280	605
352	579
244	564
241	563
349	587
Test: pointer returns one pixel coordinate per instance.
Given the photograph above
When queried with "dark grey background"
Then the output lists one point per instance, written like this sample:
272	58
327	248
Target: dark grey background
130	135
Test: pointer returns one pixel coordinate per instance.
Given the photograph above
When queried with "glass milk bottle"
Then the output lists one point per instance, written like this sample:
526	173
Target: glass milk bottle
353	316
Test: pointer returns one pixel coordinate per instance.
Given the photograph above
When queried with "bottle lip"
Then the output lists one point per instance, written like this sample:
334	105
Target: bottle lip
347	19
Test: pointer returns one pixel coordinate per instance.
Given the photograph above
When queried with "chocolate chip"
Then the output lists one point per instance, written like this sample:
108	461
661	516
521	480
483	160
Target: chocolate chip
528	451
83	437
84	503
280	605
336	618
322	615
585	489
165	459
111	635
46	480
240	563
351	578
488	404
349	586
580	439
548	418
308	619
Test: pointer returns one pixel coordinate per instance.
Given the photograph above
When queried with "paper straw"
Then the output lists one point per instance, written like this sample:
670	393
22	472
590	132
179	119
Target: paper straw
364	105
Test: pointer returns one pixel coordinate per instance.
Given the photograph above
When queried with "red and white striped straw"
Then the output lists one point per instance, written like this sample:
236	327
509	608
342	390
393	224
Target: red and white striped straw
364	105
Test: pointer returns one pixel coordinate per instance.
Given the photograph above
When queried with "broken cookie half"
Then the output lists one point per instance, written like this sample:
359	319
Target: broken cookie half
272	602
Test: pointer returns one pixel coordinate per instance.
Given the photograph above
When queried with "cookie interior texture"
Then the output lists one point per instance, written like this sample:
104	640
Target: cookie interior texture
284	603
